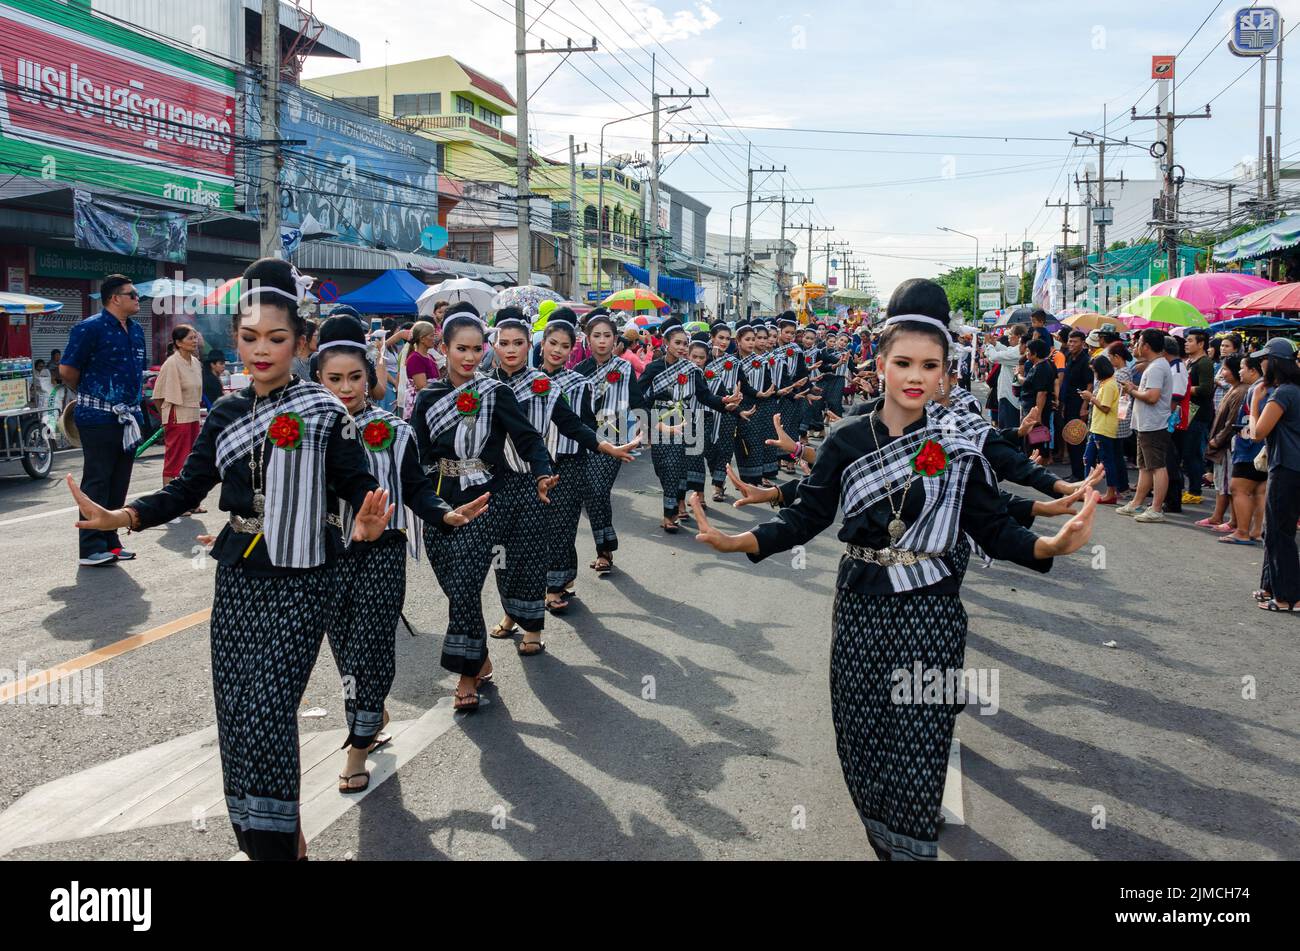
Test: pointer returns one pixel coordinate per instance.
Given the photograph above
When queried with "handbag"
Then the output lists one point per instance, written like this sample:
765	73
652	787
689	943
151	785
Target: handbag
1261	460
1039	435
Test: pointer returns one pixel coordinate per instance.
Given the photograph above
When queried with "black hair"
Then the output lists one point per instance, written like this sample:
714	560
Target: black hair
1233	363
270	281
563	313
1255	363
1155	339
925	298
1236	341
111	285
1039	314
601	316
673	331
562	327
1281	370
719	328
698	344
1038	348
1108	336
215	356
461	321
1120	350
180	332
1201	334
1174	346
741	331
1101	366
1077	333
336	328
461	307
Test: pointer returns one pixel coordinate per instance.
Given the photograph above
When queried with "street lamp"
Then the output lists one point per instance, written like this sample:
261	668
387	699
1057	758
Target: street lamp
600	189
975	293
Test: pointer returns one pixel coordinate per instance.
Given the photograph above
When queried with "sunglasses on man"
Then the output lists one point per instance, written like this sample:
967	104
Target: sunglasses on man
134	295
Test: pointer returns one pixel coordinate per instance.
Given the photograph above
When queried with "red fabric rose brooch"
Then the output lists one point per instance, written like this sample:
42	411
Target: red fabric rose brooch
467	403
681	379
378	435
727	365
709	374
286	431
613	376
771	361
931	460
541	385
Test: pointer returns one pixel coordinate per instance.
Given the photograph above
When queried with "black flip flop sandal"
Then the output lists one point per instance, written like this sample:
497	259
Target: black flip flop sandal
540	645
347	787
501	633
468	707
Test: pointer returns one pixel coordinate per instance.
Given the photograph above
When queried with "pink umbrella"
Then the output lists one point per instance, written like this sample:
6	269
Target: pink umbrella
1208	293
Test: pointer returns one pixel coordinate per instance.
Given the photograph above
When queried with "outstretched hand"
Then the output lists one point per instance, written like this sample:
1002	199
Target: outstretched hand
622	453
372	518
750	494
782	440
467	512
544	486
715	539
1073	535
94	516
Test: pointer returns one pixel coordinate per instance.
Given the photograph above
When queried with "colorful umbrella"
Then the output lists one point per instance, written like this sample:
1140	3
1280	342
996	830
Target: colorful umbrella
454	291
527	298
224	299
1147	310
1208	293
647	321
11	303
1086	320
1280	297
697	326
634	298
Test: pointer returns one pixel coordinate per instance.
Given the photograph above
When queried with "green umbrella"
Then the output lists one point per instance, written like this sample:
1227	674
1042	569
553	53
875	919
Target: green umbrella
1165	310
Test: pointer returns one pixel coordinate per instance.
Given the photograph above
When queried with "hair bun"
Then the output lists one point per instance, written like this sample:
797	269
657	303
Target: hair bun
342	328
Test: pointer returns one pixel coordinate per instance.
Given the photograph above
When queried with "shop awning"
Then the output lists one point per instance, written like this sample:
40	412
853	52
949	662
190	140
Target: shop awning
1277	236
670	288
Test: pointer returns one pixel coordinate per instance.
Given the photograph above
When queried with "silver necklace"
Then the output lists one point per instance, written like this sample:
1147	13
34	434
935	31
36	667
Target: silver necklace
257	460
897	527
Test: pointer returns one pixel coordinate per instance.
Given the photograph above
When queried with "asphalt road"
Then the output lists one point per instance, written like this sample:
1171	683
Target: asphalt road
681	710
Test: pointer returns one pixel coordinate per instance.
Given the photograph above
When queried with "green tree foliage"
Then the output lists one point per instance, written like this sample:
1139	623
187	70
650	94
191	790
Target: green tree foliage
959	284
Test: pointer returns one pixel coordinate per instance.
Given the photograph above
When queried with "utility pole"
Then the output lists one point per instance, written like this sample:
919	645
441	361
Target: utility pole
832	246
1173	180
810	228
782	290
575	280
270	164
523	198
1099	142
656	236
749	221
1066	231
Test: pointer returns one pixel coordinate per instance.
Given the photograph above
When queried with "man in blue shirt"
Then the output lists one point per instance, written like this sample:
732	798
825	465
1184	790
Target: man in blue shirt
104	363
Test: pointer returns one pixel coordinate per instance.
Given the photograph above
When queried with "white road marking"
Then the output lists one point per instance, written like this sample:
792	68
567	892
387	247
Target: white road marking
180	781
954	813
68	511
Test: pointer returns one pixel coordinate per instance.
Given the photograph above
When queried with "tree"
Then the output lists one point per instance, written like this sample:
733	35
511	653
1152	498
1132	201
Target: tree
959	285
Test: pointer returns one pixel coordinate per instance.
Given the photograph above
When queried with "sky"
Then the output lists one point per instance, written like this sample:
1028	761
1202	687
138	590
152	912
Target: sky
896	117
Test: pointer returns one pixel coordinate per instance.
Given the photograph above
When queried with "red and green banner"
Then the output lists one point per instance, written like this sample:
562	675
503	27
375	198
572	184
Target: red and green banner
87	100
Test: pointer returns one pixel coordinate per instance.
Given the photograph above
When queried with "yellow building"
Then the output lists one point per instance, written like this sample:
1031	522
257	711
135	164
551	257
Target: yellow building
459	107
620	224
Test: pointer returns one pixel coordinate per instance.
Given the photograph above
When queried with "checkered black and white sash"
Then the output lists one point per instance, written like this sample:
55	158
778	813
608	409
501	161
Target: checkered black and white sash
676	383
867	481
472	432
611	399
385	465
963	400
538	407
294	520
811	359
723	382
573	389
755	367
791	353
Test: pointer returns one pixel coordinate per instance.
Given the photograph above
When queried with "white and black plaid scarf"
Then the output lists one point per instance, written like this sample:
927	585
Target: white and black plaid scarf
676	383
294	480
754	367
573	389
385	465
472	432
536	406
964	400
869	480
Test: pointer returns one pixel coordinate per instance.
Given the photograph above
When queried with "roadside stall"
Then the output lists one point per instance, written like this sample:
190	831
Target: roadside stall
27	432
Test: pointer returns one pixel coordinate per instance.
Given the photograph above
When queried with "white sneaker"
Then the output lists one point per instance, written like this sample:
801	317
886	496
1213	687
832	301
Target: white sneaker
97	559
1129	509
1150	515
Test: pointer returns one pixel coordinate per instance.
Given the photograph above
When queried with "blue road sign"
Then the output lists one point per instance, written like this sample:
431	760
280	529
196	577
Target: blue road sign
1256	31
593	295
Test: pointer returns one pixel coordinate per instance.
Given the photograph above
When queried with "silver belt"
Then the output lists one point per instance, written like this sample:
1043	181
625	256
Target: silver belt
887	557
460	467
335	520
246	526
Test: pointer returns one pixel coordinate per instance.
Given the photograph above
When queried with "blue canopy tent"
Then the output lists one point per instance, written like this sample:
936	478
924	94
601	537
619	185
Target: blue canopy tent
393	292
670	288
1256	322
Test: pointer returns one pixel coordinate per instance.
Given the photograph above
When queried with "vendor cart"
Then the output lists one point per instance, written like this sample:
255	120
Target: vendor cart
26	439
